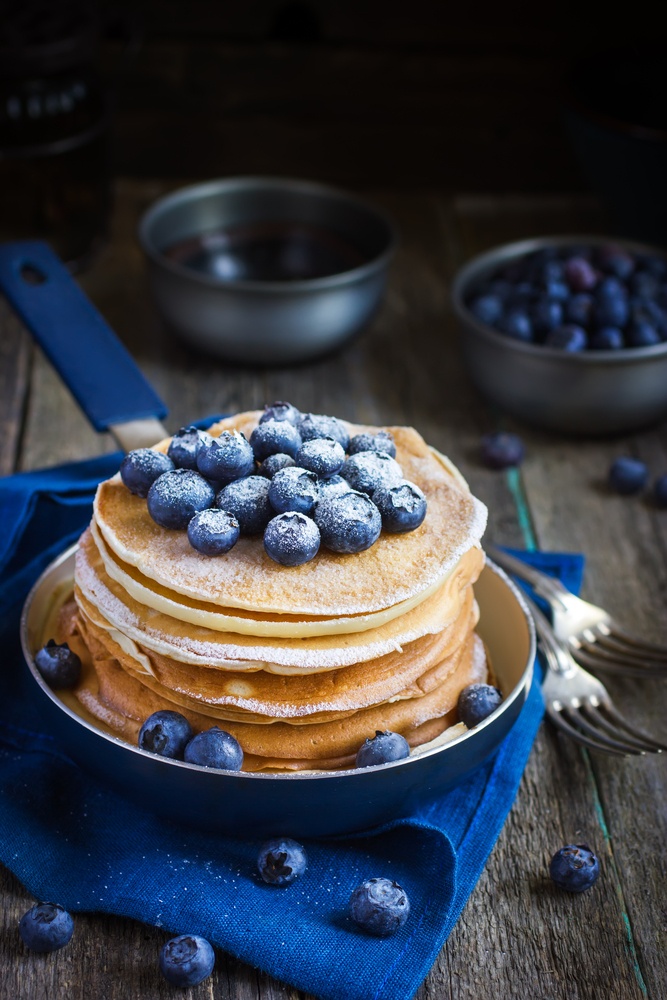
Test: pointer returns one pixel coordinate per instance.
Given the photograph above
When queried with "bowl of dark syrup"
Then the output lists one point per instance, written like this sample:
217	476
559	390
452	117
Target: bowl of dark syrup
266	270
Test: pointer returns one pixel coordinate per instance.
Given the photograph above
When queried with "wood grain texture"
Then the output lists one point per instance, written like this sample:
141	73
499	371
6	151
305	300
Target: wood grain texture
517	937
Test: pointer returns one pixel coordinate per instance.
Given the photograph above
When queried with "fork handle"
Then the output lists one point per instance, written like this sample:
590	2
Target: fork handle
548	587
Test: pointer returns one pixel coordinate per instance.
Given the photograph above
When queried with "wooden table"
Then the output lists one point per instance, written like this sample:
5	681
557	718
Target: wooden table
518	936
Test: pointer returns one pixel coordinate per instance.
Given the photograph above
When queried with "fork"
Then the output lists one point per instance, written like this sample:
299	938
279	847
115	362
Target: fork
580	705
592	636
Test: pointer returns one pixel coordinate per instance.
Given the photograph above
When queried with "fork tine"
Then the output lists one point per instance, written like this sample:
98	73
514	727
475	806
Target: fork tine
579	737
595	656
579	721
595	715
621	721
619	638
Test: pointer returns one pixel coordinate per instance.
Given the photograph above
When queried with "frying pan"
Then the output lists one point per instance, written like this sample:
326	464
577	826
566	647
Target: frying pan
112	392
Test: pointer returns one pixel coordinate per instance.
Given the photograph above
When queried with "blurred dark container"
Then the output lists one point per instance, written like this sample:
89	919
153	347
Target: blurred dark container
616	115
55	178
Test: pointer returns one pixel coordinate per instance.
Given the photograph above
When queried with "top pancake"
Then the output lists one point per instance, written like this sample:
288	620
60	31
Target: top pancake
396	568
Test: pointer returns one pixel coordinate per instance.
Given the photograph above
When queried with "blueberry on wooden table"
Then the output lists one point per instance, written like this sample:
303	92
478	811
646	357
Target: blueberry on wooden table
574	867
58	664
166	733
501	450
281	860
382	748
379	906
627	476
46	927
186	960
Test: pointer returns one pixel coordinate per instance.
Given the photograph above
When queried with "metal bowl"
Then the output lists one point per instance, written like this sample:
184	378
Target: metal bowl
307	804
266	270
588	392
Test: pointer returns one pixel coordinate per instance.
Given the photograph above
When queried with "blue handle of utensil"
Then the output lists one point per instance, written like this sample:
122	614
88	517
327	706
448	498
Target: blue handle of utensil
99	371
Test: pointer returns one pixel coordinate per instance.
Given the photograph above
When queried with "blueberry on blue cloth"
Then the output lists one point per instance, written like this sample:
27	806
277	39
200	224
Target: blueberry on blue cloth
348	523
501	450
402	506
175	497
476	702
382	441
324	456
141	467
165	733
214	748
291	539
274	463
248	501
226	457
382	748
315	425
281	411
186	960
293	488
273	437
281	860
379	906
184	447
627	475
46	927
368	470
213	532
574	867
58	664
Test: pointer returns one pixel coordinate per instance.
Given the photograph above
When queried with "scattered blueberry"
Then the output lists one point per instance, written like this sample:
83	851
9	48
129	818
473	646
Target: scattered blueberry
165	733
141	467
382	748
368	470
214	748
607	338
324	456
46	927
281	411
379	906
476	702
184	447
574	867
402	506
382	441
248	501
501	450
348	523
293	488
175	497
291	539
213	532
567	338
314	425
627	475
660	491
274	463
281	860
186	960
273	437
58	664
226	457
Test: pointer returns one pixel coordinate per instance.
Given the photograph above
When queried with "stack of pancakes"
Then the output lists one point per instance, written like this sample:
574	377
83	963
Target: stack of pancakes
300	664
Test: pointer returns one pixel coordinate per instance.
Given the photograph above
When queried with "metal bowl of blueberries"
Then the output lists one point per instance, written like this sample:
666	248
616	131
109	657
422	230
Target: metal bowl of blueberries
568	333
264	270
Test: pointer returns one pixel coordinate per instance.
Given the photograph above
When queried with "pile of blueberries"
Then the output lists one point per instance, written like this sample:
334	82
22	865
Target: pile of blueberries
300	481
577	298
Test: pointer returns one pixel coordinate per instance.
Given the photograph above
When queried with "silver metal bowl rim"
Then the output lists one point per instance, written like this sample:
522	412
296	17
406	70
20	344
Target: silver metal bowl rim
193	192
475	268
521	686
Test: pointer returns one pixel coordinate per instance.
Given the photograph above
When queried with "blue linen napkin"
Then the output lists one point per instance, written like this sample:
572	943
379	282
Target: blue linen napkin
71	840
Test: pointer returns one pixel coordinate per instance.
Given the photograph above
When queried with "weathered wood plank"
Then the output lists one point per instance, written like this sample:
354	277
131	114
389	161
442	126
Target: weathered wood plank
14	374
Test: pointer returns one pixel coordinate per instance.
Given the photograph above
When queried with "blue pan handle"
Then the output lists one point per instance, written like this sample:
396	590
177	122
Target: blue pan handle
100	373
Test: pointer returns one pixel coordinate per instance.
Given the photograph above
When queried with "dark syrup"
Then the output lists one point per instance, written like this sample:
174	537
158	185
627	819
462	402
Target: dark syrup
280	251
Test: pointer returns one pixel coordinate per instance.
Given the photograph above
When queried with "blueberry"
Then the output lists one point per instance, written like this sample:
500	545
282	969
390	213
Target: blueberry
579	309
184	447
646	311
567	338
645	284
291	538
517	324
175	497
324	456
226	457
574	867
557	290
314	425
333	486
643	335
59	665
580	275
294	488
612	311
617	262
165	733
186	960
214	748
660	491
402	506
487	309
248	501
281	411
379	906
627	475
281	860
382	748
46	927
608	338
141	467
610	288
476	702
382	441
501	450
213	532
274	463
348	523
368	470
547	314
274	436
